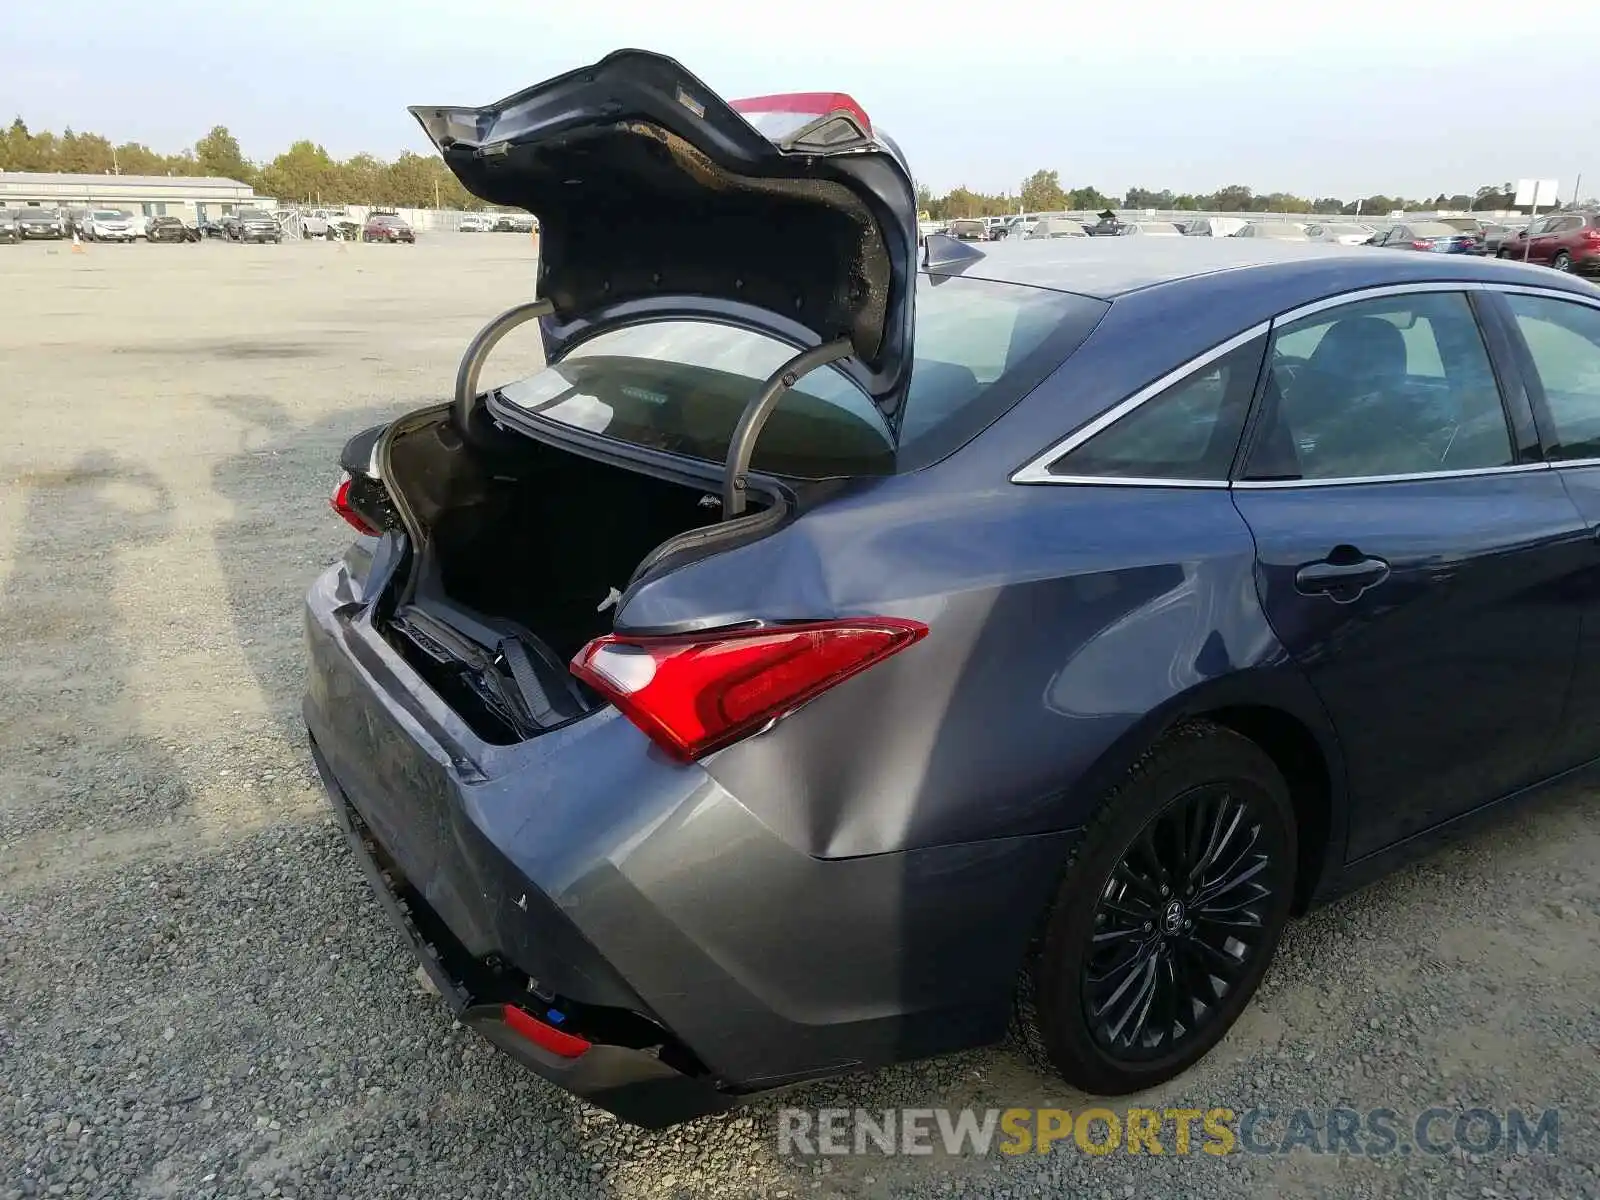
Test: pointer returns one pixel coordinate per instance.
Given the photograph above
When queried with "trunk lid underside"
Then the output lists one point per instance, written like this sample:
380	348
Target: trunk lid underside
656	198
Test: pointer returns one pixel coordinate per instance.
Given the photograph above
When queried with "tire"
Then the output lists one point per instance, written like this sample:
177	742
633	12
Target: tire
1072	992
1562	262
1506	254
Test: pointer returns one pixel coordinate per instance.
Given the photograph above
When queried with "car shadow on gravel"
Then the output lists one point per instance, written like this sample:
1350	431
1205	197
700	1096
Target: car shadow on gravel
279	533
73	743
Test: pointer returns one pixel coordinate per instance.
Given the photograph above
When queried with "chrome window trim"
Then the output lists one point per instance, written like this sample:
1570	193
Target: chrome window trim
1129	481
1419	476
1545	293
1037	470
1378	293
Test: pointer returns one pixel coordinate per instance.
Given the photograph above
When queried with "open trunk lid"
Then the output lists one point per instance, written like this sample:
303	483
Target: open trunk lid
656	198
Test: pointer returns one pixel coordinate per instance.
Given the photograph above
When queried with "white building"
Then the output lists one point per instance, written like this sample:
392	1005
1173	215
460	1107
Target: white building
188	196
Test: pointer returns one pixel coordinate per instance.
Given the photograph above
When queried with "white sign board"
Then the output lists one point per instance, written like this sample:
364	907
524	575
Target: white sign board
1541	193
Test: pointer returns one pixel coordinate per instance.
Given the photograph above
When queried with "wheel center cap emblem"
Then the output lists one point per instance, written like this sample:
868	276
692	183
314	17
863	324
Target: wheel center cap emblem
1172	919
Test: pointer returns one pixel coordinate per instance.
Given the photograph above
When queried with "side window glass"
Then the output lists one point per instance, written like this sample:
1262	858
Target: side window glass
1564	340
1399	385
1190	431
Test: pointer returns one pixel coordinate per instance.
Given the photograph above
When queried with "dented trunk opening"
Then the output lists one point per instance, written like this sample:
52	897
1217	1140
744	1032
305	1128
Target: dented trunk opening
522	551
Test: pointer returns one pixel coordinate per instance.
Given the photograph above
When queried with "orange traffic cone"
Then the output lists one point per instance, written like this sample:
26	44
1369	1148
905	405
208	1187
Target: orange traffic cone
77	246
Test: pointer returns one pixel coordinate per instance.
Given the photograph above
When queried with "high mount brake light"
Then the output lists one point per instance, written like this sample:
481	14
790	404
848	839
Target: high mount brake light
340	503
700	692
817	121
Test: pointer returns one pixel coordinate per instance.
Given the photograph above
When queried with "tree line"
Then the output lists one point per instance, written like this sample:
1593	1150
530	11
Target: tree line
1044	192
304	173
307	173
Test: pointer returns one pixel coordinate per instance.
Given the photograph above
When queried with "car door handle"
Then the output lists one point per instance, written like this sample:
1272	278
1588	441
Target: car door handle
1341	576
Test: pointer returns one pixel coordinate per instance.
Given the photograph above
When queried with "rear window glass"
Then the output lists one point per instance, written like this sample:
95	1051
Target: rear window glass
680	386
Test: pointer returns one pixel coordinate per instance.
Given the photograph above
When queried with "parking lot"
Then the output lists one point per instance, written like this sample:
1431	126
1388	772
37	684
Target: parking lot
199	996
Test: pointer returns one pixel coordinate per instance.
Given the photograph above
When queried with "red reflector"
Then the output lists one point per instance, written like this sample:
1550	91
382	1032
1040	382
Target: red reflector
340	501
814	104
697	693
536	1031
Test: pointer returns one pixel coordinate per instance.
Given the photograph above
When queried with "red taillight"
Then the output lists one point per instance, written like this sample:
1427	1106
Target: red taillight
815	121
1422	244
812	104
566	1045
340	502
1591	234
697	693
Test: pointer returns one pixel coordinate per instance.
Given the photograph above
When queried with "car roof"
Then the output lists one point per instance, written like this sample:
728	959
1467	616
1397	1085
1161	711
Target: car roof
1106	268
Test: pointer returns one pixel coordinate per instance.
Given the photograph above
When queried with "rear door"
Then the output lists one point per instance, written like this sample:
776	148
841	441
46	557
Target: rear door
1557	338
1545	242
1413	552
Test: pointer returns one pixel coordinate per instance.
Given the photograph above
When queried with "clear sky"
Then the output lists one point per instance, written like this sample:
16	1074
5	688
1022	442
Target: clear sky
1405	96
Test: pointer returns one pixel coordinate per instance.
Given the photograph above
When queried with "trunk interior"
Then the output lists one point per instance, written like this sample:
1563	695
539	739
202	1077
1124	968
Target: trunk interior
522	544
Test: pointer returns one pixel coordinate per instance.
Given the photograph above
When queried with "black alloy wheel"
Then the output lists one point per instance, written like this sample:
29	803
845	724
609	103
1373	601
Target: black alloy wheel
1179	921
1167	915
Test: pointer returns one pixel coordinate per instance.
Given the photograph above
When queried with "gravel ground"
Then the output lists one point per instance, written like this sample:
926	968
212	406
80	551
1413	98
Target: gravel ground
198	996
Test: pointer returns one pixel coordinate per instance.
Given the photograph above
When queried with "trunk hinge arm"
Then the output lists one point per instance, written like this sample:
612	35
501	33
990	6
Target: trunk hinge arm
478	350
742	445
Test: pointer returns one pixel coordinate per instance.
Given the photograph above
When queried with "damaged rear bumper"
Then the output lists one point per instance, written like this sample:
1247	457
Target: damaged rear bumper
634	1084
583	871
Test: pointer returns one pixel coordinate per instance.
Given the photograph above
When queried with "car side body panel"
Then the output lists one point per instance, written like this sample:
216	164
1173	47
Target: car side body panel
1060	615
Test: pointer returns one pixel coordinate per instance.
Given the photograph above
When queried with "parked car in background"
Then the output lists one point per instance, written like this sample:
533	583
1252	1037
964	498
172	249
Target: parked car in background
109	225
476	223
1565	241
252	225
1151	229
171	229
8	225
387	227
1057	227
1214	226
1340	233
511	222
1472	225
1109	225
1432	237
212	227
326	223
40	223
1277	231
969	229
1495	234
